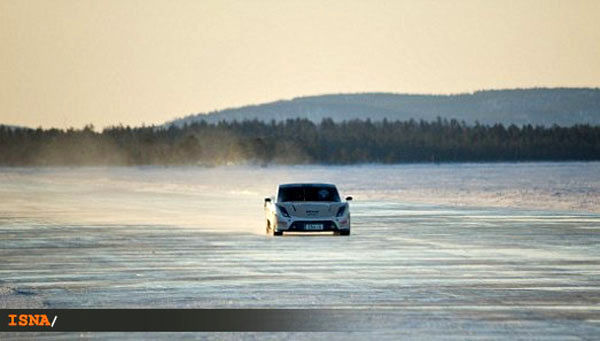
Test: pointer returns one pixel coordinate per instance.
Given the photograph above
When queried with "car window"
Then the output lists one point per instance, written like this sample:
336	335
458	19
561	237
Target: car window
308	193
314	193
291	194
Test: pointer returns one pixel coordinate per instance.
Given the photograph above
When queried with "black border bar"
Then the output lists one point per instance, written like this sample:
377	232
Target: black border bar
186	320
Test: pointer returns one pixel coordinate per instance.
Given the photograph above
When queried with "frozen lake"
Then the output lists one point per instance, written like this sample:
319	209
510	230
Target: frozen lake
484	250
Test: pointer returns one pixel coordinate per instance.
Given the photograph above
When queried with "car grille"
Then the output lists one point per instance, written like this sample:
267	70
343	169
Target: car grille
328	225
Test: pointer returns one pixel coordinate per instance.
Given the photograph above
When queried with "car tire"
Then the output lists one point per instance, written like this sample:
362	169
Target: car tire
344	232
271	231
268	227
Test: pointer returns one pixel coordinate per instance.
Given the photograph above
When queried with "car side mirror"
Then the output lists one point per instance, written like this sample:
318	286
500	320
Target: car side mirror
348	198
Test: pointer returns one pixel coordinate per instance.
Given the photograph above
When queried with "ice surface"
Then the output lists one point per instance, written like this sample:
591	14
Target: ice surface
487	250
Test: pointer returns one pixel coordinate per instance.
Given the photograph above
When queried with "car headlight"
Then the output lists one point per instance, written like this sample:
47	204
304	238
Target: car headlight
341	211
283	211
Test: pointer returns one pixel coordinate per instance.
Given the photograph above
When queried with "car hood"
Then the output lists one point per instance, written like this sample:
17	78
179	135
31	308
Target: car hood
312	209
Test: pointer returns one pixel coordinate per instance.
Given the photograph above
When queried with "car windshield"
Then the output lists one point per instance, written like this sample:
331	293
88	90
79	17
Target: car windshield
308	193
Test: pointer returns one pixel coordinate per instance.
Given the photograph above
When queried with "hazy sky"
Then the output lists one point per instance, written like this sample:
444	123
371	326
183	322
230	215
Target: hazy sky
68	63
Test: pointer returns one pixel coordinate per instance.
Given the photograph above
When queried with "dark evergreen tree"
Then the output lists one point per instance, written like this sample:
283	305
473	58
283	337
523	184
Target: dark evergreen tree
298	141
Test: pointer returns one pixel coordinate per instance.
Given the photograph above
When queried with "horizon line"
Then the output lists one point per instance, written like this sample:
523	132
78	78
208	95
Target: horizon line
288	99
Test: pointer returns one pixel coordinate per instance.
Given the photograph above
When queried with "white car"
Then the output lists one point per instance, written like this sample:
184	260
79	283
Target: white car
307	208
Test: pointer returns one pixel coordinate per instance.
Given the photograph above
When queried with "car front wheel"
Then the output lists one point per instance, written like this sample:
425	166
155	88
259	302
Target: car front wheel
268	227
271	231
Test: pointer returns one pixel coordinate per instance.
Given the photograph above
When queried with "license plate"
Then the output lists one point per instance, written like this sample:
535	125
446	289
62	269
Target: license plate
313	227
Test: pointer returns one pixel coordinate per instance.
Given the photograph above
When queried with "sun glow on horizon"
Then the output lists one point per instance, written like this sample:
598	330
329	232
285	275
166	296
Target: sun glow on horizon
68	63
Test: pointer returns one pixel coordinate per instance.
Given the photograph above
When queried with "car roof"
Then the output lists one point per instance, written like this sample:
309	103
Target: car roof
309	184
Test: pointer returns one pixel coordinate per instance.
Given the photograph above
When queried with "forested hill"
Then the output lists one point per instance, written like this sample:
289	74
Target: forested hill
540	106
298	141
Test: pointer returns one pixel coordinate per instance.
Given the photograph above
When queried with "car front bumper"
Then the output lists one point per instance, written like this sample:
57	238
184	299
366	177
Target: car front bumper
300	225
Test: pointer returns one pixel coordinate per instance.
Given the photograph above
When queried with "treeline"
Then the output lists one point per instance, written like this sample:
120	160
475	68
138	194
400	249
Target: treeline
298	141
